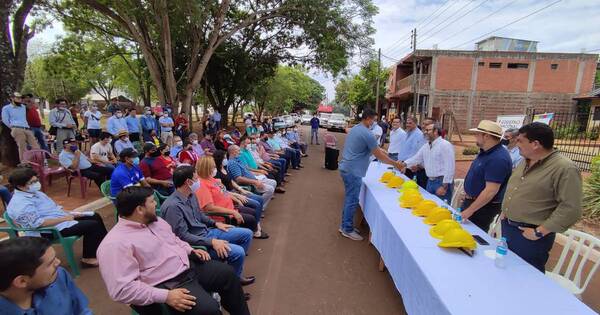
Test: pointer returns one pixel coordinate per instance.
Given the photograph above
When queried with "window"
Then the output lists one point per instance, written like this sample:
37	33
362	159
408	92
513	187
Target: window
495	65
481	64
596	113
554	66
517	66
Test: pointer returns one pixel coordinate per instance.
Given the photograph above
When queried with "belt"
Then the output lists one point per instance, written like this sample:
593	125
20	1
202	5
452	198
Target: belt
19	127
438	177
520	224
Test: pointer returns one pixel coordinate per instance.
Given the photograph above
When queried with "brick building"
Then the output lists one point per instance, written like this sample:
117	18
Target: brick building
481	84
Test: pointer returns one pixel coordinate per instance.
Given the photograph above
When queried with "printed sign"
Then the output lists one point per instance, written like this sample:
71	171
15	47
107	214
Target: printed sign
545	118
510	121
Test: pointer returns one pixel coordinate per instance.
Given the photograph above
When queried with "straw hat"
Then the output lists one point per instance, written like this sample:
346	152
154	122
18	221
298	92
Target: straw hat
489	127
122	132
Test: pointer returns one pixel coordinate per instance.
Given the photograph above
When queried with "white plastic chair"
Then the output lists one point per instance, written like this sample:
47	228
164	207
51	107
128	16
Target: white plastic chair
458	192
495	229
583	246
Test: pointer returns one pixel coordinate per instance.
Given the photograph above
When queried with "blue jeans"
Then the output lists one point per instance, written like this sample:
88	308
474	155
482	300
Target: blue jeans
536	253
41	139
5	195
393	156
255	202
281	163
239	242
314	134
433	185
352	185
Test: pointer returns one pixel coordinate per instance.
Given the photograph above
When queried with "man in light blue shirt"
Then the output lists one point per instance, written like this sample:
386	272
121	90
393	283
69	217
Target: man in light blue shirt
73	159
166	128
61	119
216	117
149	124
510	143
414	141
133	125
358	148
123	142
116	123
14	116
46	287
31	208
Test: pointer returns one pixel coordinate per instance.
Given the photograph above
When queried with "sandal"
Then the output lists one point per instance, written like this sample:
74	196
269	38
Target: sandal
263	235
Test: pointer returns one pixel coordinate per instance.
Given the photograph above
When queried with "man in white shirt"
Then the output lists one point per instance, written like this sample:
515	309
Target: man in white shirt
437	156
510	143
101	152
92	121
377	131
397	137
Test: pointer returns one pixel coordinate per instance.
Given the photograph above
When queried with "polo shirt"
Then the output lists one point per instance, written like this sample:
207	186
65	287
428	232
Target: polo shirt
165	120
93	119
133	124
123	177
210	192
359	144
66	159
493	165
248	159
236	168
156	168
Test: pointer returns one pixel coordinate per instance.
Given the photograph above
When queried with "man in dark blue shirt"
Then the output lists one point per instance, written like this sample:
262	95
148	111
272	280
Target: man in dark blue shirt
31	281
127	173
314	129
486	180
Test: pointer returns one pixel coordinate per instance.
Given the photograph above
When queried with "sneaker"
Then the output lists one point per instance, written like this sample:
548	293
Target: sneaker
352	235
355	230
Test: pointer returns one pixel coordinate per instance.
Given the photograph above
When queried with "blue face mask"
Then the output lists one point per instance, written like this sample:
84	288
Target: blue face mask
225	162
195	186
136	161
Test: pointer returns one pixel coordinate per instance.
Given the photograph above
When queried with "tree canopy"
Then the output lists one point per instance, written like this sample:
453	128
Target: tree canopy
359	90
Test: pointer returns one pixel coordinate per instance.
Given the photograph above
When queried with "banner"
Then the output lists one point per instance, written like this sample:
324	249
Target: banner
545	118
510	121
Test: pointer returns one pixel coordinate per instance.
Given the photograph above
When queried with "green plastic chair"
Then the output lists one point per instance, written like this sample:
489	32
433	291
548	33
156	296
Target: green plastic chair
66	242
105	190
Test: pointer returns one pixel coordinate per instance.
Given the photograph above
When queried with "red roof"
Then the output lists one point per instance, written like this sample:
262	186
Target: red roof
325	109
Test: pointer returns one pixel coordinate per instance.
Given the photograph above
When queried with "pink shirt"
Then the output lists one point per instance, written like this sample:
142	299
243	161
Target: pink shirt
135	257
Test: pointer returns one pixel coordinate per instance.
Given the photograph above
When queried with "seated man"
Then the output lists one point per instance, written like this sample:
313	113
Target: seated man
285	145
241	175
32	282
266	153
101	152
123	142
275	146
177	147
258	171
272	168
73	159
127	172
208	144
293	138
182	211
157	171
193	137
31	208
144	264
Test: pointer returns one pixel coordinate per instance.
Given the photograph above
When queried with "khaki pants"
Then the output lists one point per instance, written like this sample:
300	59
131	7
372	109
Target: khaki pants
24	137
167	137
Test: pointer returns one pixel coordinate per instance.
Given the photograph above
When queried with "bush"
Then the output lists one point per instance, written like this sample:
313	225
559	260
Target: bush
591	191
471	150
567	132
593	134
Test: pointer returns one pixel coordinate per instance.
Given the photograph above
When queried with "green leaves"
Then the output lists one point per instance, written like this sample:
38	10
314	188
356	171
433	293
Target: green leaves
359	90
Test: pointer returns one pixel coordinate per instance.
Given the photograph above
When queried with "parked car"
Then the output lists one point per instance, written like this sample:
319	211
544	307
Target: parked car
337	122
323	118
289	121
278	123
305	119
296	117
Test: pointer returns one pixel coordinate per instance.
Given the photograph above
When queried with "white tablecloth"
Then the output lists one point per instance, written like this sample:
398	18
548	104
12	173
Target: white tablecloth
433	280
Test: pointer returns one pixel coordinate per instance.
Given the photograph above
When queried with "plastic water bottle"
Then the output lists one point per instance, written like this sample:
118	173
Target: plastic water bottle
415	178
458	215
501	251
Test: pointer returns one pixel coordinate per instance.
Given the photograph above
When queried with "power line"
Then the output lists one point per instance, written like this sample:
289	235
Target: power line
390	58
447	18
452	3
477	22
452	22
509	24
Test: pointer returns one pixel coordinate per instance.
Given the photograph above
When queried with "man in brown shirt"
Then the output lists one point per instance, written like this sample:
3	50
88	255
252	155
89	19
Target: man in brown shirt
543	196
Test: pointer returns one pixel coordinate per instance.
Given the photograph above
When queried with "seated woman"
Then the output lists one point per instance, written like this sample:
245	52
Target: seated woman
187	155
31	208
213	197
220	142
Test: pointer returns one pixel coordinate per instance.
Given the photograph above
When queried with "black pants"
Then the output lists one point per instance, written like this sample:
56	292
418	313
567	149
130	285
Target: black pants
536	253
134	136
249	217
164	190
274	176
99	174
485	215
93	231
204	277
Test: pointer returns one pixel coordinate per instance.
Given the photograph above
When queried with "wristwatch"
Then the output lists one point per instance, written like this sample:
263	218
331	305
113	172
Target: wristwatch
538	234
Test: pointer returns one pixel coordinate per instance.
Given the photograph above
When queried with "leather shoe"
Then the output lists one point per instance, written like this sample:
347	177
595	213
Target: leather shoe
247	280
279	190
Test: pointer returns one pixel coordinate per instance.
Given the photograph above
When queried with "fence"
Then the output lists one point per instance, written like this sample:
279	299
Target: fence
576	135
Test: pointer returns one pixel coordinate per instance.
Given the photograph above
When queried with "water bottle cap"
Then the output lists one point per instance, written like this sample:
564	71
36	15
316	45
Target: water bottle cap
501	250
503	238
459	209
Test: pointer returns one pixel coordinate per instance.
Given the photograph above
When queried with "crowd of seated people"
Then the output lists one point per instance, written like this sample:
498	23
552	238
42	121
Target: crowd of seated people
216	190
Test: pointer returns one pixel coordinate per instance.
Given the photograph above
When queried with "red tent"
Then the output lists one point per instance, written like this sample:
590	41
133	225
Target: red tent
325	109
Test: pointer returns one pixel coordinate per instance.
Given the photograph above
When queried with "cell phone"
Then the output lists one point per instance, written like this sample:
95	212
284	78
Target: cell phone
390	167
480	240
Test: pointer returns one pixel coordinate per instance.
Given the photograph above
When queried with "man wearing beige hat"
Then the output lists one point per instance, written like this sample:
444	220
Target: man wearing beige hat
486	180
14	116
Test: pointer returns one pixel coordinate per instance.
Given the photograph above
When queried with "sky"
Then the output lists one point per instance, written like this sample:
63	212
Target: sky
564	26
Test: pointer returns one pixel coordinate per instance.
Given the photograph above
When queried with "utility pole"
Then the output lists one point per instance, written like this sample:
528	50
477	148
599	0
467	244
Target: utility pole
377	109
413	45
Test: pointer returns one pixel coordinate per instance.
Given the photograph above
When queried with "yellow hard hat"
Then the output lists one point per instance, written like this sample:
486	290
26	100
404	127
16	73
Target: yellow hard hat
409	194
437	215
424	207
409	184
395	182
410	201
439	230
456	238
386	177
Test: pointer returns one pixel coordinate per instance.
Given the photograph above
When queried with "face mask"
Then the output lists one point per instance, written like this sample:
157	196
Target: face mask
136	161
155	154
179	143
119	115
126	139
94	108
35	187
148	112
194	142
73	148
504	141
214	173
195	186
225	162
